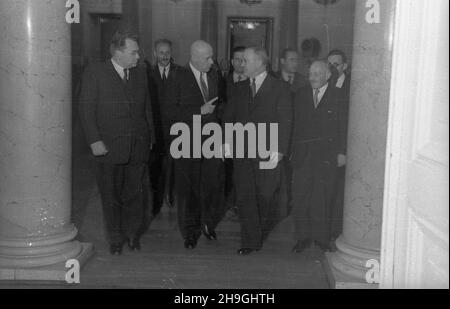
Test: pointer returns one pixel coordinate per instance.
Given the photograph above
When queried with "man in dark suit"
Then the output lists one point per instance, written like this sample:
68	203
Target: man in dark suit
289	73
338	60
198	181
235	76
116	116
161	79
318	149
289	70
261	100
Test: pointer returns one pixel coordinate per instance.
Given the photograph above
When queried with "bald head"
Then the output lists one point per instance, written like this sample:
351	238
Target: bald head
319	74
201	56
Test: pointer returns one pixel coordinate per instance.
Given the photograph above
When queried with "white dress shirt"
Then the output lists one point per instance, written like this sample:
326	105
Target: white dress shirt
340	81
287	76
164	69
236	77
322	91
259	80
198	75
120	70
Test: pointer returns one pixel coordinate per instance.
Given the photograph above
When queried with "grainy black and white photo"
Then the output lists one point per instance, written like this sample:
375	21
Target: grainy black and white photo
230	148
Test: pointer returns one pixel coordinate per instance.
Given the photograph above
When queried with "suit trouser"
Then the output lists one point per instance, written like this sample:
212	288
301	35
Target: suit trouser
161	174
257	194
124	193
338	204
286	188
312	197
199	187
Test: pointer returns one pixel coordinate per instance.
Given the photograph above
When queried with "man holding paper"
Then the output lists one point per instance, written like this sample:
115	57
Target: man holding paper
199	182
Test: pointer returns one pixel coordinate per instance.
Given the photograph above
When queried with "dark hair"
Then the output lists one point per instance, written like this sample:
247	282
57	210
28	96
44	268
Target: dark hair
338	52
286	51
237	49
119	38
163	41
311	47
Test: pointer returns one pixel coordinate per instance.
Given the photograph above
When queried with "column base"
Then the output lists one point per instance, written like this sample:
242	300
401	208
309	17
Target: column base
345	269
56	272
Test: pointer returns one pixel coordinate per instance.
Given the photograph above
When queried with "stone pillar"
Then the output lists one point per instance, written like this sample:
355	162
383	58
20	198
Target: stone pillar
371	70
209	23
36	234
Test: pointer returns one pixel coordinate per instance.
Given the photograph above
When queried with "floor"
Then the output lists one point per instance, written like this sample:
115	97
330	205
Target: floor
164	263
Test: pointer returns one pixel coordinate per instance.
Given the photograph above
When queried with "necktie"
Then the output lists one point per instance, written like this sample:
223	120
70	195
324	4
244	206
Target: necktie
316	97
253	87
125	75
204	86
291	79
164	76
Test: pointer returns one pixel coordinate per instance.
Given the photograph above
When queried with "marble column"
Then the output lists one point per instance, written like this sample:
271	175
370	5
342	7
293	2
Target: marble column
36	234
371	70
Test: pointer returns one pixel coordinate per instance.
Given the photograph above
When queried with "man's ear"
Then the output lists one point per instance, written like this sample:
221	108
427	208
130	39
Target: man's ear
345	66
282	61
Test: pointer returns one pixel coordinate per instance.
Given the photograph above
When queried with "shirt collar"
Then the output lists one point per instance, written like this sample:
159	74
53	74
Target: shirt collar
340	81
286	76
118	67
197	73
260	78
322	89
161	68
236	76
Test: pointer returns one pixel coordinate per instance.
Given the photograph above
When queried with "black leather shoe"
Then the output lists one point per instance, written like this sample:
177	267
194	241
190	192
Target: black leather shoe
190	243
301	245
134	244
209	233
115	249
246	251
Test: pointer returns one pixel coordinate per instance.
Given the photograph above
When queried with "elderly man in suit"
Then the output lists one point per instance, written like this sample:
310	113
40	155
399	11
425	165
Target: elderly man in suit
116	116
161	79
318	149
199	182
261	100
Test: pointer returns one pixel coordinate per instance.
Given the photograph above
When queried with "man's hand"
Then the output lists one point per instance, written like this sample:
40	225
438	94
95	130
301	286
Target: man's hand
99	149
275	157
208	107
225	151
341	160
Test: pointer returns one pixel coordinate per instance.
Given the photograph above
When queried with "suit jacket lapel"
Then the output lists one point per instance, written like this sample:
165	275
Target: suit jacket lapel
263	91
324	97
194	83
118	80
212	85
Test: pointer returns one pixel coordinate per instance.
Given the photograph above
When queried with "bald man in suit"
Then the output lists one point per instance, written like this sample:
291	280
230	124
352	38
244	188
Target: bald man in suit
199	182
